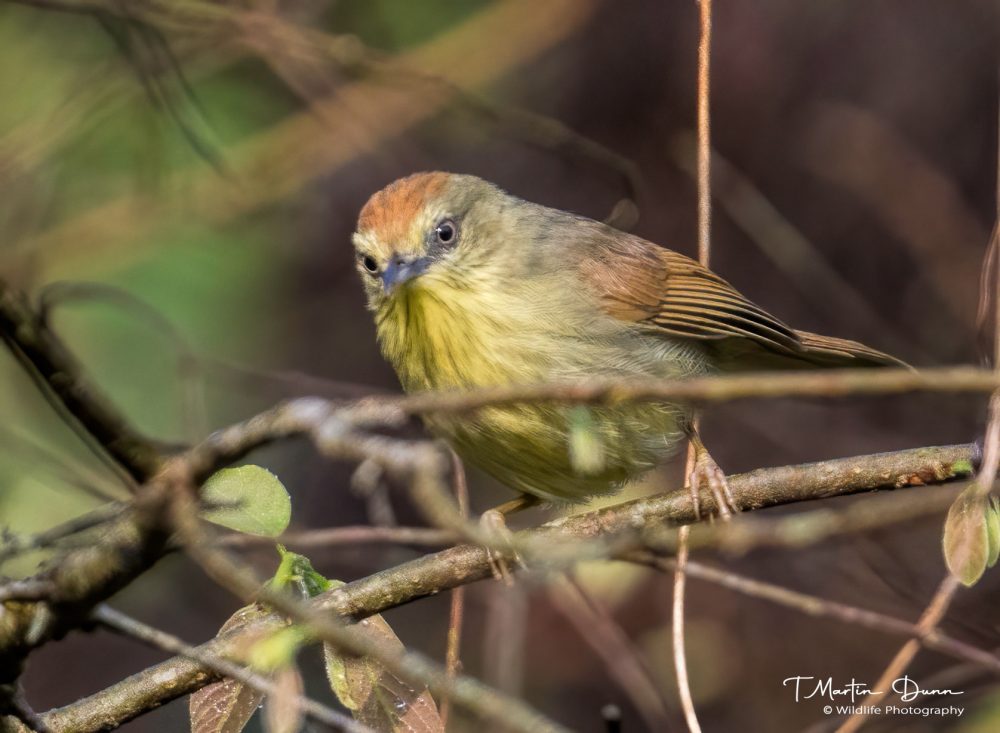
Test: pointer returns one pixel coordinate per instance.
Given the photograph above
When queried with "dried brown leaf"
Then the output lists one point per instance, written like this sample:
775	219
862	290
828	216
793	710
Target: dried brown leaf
223	707
227	705
375	696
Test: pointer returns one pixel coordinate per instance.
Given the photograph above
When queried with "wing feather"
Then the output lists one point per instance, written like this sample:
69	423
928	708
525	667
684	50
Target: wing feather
638	281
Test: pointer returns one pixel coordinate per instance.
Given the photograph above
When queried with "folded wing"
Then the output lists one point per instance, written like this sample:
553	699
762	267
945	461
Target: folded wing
674	295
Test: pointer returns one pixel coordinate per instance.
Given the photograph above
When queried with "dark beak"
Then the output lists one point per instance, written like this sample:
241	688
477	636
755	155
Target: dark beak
401	269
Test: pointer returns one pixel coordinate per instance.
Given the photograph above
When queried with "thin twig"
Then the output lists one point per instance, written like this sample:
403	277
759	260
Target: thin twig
24	714
934	612
704	132
457	608
704	257
829	384
677	623
807	528
822	607
599	630
928	623
44	355
19	544
498	709
353	535
158	639
464	564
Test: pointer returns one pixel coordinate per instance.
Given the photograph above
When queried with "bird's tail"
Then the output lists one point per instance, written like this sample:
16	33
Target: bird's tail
829	352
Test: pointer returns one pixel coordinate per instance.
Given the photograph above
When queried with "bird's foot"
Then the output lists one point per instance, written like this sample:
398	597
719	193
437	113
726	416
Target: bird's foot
706	472
501	545
501	540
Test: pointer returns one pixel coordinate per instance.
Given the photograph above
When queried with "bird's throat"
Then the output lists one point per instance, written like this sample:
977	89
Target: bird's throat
443	338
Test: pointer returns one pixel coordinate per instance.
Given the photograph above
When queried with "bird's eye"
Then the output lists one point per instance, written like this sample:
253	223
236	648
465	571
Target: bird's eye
369	263
445	232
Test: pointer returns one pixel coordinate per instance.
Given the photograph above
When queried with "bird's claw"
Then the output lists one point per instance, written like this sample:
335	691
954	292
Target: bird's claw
706	472
494	526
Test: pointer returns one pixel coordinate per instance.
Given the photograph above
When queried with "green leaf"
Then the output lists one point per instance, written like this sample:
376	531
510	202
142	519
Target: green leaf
966	540
375	696
277	649
247	499
297	573
586	448
227	705
993	532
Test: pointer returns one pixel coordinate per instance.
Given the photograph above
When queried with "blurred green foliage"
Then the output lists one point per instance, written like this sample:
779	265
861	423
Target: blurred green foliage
396	25
217	285
78	131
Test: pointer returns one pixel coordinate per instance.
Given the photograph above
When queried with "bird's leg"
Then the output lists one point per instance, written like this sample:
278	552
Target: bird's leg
493	522
706	472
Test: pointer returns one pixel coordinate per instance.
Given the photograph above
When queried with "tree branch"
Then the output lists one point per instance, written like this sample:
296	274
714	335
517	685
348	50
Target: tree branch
129	545
124	624
618	527
43	355
827	383
822	607
134	539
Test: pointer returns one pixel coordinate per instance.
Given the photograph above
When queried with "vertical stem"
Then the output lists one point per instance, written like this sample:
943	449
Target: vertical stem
935	611
929	620
704	256
677	616
704	136
457	611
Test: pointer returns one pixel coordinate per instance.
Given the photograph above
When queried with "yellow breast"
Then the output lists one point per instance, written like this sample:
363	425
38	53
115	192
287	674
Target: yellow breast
440	336
445	337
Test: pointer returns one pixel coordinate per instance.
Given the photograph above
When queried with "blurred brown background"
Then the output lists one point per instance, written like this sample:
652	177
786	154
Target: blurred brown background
854	196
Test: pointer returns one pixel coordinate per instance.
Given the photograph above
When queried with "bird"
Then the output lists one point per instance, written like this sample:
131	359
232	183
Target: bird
471	287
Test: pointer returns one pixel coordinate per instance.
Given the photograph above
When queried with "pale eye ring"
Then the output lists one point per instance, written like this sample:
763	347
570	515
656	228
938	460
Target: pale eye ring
368	262
446	232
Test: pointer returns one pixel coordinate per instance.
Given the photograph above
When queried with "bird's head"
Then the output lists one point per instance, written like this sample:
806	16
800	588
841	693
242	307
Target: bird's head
425	229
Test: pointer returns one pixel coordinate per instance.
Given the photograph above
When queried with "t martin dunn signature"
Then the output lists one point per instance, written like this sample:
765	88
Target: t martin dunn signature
824	689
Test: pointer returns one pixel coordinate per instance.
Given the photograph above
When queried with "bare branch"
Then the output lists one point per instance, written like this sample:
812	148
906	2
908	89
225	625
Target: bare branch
355	535
43	355
598	629
829	384
464	564
495	708
808	528
921	634
456	612
158	639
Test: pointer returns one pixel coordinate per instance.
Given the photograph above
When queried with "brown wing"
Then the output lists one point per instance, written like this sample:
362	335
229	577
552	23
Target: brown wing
641	282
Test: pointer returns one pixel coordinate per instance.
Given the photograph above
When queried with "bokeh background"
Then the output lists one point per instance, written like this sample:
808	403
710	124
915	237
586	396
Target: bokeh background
194	191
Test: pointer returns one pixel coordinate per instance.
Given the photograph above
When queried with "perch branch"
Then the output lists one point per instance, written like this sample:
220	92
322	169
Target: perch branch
431	574
136	538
